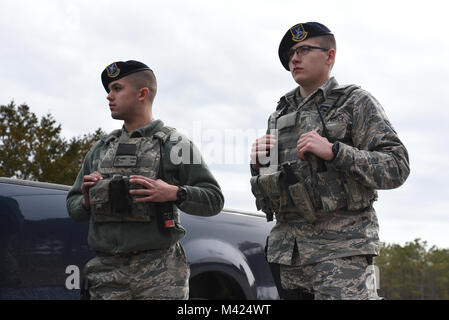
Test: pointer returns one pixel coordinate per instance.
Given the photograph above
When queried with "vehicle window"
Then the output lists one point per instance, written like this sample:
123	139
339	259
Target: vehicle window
38	241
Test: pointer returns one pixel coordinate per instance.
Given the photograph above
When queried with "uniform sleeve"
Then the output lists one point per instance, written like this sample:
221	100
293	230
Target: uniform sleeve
75	195
377	159
204	196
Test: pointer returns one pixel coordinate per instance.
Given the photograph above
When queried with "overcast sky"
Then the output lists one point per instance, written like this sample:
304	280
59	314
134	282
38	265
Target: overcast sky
219	78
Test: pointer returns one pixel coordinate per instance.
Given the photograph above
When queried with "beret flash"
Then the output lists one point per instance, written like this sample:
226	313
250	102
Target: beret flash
298	33
118	70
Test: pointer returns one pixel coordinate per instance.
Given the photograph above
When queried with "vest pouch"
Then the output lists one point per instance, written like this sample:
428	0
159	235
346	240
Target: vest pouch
123	206
260	201
121	202
177	231
302	201
99	200
140	212
287	121
266	188
110	201
331	188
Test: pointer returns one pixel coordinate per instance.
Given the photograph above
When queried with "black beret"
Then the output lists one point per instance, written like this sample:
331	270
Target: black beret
298	33
118	70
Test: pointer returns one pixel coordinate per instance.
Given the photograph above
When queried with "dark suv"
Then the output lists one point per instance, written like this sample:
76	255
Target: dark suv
42	251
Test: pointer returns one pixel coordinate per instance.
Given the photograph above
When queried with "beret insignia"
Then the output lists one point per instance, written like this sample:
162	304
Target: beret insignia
298	33
112	70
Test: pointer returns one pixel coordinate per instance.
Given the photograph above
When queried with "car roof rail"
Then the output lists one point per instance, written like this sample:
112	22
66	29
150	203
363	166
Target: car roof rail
37	184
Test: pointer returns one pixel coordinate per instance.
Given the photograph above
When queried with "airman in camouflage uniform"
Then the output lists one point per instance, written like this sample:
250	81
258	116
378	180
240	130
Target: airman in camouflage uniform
328	148
130	187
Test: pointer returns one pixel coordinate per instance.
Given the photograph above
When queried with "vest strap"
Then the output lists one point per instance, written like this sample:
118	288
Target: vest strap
164	133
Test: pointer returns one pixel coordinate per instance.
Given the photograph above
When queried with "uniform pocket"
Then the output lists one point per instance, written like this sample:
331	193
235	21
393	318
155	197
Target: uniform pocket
332	190
359	197
338	130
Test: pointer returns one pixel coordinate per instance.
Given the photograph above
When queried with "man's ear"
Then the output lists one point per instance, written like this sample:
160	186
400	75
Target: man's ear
331	57
143	93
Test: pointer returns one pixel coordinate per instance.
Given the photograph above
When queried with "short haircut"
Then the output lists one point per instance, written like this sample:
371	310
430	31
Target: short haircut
327	41
144	79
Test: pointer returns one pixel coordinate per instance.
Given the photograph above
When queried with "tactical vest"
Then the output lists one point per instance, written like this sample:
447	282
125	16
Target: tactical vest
136	156
310	187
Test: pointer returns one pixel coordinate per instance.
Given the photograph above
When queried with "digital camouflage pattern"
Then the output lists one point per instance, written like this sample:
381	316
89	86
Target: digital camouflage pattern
336	279
152	275
342	221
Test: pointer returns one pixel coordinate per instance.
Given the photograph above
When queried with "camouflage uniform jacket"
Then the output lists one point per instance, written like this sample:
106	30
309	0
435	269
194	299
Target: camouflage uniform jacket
370	157
204	196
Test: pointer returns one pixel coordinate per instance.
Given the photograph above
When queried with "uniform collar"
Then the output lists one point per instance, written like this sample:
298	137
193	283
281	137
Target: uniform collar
328	86
147	130
320	93
323	91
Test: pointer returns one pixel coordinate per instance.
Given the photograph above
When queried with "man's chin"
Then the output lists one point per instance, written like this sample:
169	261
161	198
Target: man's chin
298	78
116	116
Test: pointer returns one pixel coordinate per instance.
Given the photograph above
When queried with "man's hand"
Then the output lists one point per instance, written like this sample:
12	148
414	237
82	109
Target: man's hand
314	143
89	181
261	150
154	190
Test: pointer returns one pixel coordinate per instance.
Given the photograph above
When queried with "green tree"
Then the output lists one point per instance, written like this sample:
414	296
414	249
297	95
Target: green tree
33	149
413	272
438	274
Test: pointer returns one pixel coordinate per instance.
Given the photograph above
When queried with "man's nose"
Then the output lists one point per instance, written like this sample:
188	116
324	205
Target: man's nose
295	57
110	96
